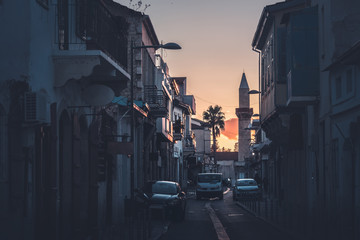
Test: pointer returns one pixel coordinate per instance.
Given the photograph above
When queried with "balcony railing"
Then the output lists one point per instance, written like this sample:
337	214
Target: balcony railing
156	100
91	24
244	112
190	145
178	129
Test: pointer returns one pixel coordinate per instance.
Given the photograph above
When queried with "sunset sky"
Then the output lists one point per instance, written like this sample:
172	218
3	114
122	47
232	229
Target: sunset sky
215	37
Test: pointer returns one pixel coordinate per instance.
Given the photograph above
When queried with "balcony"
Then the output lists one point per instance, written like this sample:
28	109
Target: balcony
164	129
244	112
92	45
178	130
303	66
190	145
156	99
190	100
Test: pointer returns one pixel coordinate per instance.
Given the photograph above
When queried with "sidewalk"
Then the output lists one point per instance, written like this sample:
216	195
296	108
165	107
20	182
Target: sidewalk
266	210
158	228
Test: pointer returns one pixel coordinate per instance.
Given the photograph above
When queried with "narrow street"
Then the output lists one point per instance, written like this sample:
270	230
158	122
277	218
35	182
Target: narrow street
230	222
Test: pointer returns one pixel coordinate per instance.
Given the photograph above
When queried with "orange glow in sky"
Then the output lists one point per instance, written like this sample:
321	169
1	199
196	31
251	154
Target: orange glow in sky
215	37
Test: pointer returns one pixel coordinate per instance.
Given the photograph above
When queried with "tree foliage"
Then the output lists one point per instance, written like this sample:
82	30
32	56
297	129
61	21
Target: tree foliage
216	119
137	5
236	147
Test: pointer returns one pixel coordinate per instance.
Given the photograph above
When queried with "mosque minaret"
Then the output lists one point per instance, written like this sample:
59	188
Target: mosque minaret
244	113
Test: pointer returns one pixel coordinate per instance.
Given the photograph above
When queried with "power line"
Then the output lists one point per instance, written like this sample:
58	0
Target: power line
197	97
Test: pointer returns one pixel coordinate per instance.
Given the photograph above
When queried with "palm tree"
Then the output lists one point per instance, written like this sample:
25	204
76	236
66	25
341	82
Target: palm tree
215	118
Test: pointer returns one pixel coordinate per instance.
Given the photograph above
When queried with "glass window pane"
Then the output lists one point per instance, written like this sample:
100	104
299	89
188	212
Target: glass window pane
349	81
338	87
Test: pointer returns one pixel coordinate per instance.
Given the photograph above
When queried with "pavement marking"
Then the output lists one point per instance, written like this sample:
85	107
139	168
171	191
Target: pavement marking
219	228
235	214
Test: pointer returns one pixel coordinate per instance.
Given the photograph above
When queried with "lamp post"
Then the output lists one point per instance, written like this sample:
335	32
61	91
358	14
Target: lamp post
172	46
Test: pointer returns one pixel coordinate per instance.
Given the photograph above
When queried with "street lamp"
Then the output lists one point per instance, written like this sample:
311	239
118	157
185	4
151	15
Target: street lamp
171	46
254	92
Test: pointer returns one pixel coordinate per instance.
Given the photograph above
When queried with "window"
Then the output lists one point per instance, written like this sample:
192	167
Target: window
63	24
338	87
343	84
3	147
323	32
349	81
335	162
43	3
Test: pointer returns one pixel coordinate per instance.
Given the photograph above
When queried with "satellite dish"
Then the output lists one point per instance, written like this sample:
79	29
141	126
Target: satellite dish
98	95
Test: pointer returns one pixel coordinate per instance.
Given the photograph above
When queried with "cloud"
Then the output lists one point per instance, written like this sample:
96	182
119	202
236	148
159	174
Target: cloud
231	129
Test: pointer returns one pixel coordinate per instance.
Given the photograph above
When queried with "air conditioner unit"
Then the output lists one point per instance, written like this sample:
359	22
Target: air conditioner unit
35	107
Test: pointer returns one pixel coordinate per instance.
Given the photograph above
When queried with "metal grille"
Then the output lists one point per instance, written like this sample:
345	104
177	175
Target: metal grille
154	97
30	106
90	23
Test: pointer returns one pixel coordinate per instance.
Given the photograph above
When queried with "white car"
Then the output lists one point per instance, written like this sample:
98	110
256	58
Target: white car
209	185
245	189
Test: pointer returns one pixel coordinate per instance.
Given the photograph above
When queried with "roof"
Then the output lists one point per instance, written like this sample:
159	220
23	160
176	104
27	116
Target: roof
349	57
226	156
266	20
244	83
119	10
198	122
183	105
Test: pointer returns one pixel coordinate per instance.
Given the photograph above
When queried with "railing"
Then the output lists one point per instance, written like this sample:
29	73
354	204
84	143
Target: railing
190	144
91	24
154	97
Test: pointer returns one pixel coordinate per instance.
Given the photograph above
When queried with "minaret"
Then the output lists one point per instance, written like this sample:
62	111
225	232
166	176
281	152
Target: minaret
244	113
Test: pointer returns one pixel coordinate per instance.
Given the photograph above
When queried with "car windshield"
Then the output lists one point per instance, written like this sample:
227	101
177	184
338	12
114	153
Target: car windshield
164	188
209	178
246	183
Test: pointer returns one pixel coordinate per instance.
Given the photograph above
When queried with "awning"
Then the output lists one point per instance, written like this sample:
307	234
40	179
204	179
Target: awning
258	147
139	106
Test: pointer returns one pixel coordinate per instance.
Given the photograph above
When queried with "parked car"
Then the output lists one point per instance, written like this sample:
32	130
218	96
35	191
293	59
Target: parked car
245	189
167	198
209	185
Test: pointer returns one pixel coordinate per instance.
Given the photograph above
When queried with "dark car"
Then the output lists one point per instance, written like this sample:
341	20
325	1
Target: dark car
167	198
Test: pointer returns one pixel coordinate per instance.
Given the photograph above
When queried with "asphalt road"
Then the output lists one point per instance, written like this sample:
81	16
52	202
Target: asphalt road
213	219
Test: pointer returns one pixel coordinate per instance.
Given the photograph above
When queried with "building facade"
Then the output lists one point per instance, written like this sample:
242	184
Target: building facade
69	159
309	112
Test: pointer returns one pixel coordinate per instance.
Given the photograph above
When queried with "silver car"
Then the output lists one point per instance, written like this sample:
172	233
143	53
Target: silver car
246	189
